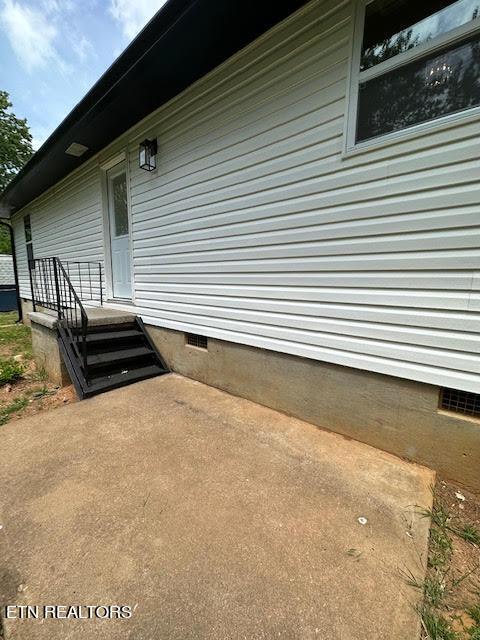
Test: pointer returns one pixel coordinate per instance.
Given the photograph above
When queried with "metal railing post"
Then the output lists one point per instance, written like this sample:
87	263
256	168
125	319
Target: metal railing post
31	268
57	288
101	283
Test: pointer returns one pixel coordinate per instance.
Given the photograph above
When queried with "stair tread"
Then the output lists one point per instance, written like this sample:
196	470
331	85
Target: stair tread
132	375
98	336
118	355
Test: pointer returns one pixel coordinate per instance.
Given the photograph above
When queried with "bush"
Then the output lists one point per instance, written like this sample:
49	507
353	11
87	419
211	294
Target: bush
10	370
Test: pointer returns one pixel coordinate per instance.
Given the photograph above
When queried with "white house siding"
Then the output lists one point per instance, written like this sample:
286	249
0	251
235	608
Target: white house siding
66	222
255	228
21	251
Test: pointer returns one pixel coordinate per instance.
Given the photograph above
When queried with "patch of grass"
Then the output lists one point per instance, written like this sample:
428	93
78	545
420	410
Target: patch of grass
474	613
441	583
40	375
469	533
10	370
436	627
41	392
8	317
16	340
434	590
440	548
474	630
16	405
440	517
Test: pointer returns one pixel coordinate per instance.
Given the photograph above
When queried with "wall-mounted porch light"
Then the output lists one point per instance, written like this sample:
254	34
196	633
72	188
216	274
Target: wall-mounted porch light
148	155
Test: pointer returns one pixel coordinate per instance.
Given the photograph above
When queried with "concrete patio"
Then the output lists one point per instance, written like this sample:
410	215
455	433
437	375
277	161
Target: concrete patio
211	516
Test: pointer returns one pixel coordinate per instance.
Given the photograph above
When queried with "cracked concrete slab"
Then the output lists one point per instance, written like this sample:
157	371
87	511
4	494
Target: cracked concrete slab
211	516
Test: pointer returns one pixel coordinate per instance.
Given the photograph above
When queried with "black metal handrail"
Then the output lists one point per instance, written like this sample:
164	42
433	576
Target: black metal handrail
86	278
87	275
52	288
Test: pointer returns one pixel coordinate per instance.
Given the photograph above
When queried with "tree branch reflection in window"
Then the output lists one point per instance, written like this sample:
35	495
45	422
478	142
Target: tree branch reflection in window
380	44
420	91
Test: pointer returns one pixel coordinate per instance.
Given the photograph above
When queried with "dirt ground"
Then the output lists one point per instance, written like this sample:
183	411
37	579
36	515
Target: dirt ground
31	392
451	608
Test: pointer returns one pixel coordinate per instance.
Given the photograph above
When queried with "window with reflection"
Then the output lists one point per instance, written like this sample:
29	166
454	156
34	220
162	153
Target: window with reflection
120	207
418	61
27	225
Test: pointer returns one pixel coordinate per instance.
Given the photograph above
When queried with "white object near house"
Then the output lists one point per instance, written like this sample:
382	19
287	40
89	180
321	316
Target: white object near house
316	195
7	276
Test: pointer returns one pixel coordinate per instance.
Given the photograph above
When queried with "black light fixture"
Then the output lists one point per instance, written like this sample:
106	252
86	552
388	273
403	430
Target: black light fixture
148	155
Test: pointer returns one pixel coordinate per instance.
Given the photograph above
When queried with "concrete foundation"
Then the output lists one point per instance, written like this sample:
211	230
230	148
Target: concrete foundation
27	308
46	351
398	416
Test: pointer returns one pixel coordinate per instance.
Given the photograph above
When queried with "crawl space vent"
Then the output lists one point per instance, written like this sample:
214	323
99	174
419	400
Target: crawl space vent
463	402
195	340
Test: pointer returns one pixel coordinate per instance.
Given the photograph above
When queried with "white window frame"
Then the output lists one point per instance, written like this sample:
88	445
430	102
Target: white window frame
356	77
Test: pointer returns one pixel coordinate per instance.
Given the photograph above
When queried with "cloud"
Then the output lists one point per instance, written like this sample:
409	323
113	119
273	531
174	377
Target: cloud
39	135
31	36
37	142
59	6
133	16
83	48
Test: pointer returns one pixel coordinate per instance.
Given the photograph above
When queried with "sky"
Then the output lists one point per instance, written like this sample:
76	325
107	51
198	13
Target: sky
53	51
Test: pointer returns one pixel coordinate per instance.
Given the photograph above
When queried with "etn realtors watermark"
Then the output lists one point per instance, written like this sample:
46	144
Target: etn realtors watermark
67	612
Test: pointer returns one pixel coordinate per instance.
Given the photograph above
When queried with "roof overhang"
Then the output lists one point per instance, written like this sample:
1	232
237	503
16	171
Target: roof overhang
184	41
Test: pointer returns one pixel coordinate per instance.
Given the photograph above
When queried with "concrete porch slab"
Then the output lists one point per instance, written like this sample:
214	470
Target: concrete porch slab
96	316
209	515
104	315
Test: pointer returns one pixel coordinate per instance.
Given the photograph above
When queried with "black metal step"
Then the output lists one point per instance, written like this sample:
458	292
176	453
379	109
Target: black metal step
117	355
104	336
113	381
107	328
120	355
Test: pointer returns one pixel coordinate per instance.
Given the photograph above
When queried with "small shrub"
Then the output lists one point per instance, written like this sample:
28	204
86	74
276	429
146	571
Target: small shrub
10	370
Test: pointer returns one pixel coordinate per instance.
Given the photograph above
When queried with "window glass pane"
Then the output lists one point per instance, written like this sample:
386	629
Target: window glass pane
28	228
420	91
120	209
392	27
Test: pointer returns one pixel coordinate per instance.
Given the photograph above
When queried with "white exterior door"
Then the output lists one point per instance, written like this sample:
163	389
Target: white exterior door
119	232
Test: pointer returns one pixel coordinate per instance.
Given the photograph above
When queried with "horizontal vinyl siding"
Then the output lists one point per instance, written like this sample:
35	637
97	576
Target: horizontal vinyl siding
67	223
255	228
21	255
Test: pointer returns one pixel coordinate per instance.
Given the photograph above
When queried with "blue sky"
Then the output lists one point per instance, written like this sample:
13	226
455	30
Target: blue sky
53	51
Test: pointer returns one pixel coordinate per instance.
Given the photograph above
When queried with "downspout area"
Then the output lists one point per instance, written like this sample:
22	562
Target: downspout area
4	223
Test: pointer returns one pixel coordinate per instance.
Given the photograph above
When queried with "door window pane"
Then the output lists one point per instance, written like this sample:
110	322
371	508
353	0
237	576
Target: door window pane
120	208
392	27
28	228
423	90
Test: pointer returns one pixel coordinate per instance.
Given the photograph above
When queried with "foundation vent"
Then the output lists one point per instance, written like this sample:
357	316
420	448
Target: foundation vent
463	402
194	340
